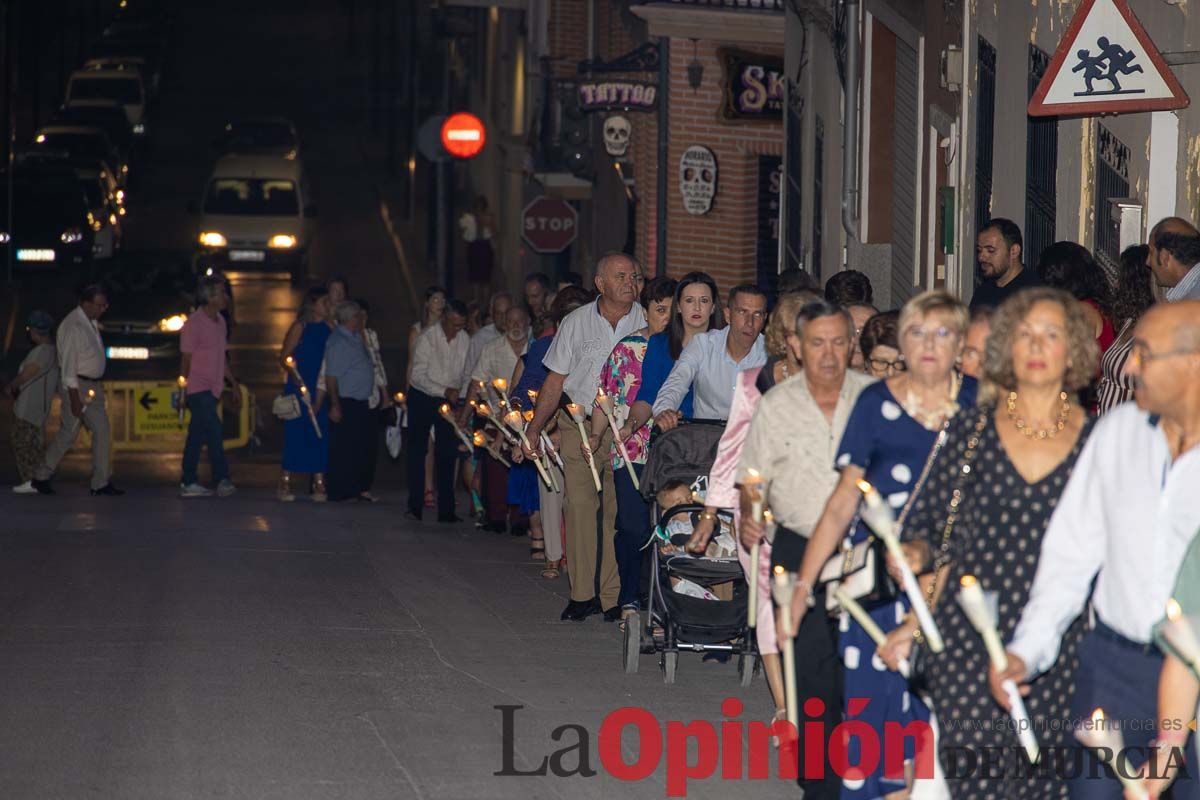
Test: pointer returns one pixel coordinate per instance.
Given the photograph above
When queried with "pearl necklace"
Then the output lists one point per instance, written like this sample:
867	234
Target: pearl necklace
1064	413
935	419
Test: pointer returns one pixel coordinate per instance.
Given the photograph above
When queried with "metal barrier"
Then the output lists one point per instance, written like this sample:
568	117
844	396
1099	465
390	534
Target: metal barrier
143	416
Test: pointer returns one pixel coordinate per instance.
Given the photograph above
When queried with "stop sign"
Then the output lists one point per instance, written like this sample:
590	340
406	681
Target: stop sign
548	224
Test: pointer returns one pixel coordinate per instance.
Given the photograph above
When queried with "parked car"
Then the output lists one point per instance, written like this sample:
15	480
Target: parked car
267	136
106	214
82	147
149	52
126	62
151	295
256	214
51	223
124	86
108	117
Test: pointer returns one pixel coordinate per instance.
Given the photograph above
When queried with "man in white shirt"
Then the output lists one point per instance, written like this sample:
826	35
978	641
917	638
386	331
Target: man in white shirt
712	361
501	302
439	356
499	360
1174	246
584	341
1126	518
81	360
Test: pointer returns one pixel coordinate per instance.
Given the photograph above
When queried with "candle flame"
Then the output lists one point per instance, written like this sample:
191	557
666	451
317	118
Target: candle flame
779	570
533	393
968	580
444	408
1174	612
1098	716
865	487
768	515
91	393
478	439
182	380
291	362
513	417
399	397
484	409
500	384
528	416
573	408
303	389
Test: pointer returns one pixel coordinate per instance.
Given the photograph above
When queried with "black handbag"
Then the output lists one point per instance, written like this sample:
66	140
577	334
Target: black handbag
861	572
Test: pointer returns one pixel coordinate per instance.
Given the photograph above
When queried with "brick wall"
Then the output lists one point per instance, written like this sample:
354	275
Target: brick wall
568	30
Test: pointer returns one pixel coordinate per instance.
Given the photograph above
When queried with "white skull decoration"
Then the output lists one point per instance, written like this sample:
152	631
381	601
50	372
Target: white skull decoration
616	135
698	179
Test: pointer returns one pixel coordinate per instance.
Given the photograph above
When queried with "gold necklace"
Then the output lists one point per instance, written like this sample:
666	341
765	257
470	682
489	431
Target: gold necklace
935	419
1064	413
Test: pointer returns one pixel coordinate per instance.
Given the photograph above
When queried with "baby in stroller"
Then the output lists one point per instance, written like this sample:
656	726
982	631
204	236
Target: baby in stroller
678	528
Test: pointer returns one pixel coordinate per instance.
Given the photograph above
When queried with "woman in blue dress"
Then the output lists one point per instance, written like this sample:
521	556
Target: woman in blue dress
303	450
888	439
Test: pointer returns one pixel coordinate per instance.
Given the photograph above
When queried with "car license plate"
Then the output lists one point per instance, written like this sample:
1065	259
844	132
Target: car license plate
27	254
129	353
247	255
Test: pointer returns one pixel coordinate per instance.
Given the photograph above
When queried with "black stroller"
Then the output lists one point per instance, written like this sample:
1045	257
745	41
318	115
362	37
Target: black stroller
678	622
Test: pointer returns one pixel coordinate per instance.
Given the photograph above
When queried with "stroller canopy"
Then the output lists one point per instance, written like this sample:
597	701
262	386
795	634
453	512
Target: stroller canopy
683	453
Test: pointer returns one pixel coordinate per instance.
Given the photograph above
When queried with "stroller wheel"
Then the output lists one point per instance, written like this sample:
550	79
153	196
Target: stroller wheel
631	644
747	668
670	659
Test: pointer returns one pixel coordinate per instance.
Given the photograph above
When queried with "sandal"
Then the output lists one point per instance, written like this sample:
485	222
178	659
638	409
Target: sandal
537	548
550	570
627	613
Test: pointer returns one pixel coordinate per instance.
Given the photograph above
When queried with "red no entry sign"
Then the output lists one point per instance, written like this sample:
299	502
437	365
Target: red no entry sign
549	224
463	135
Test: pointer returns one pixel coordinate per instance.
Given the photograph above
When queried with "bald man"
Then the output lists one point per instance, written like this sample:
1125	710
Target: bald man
1125	519
1174	252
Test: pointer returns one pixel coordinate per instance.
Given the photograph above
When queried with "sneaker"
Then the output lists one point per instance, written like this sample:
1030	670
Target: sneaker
225	488
193	490
24	488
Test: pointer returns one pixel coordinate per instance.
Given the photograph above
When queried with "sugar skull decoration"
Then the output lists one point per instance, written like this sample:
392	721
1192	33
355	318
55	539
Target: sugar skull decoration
698	179
616	135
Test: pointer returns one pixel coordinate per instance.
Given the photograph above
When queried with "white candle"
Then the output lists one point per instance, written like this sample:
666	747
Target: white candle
606	405
1181	636
513	418
784	588
182	381
444	410
864	619
879	517
1108	742
576	412
754	484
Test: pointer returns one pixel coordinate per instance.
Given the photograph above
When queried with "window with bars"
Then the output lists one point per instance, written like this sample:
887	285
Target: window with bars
793	235
1041	169
1112	182
818	221
985	119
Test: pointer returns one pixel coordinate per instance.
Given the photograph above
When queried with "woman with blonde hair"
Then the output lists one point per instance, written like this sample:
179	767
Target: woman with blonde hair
888	438
1020	445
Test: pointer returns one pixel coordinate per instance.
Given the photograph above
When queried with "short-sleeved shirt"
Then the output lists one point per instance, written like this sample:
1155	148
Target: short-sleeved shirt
33	403
621	377
349	362
204	338
498	361
583	343
989	295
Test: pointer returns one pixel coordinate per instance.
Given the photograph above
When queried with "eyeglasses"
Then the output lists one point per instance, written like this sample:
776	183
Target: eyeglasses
1140	354
940	335
882	364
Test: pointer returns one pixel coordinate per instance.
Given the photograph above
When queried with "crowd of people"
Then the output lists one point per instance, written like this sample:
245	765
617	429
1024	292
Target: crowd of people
1042	442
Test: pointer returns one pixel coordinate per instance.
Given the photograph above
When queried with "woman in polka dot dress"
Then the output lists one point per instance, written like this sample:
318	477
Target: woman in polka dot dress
1028	433
888	439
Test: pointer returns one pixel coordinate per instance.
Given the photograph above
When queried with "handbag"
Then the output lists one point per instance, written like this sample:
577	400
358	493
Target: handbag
860	571
286	407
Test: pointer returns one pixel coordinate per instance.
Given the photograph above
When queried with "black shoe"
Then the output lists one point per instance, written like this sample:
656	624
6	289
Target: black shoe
107	490
449	519
719	656
412	516
579	610
517	530
496	527
43	487
613	614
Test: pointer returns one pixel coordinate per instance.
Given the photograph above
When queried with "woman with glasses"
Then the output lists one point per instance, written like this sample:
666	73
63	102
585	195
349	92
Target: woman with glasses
880	347
887	441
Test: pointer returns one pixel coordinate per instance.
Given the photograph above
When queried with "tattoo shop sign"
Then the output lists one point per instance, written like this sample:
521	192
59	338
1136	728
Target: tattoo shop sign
612	95
754	85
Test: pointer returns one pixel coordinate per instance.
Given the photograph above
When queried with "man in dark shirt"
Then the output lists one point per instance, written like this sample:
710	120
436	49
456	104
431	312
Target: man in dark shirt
998	249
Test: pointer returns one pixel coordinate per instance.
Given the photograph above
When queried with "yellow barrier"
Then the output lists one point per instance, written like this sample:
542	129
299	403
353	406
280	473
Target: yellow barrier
143	416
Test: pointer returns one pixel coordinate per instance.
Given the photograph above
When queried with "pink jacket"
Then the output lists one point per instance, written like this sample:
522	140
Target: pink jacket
722	491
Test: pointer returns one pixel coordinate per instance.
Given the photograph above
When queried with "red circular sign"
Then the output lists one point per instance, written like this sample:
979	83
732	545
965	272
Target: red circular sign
463	135
549	224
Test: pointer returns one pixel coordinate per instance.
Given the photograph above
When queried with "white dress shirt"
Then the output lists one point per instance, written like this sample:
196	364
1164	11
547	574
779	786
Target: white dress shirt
706	363
583	343
482	338
80	350
499	360
1127	513
437	364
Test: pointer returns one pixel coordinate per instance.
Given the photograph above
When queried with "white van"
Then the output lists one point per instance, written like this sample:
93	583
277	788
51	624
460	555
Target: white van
104	86
256	214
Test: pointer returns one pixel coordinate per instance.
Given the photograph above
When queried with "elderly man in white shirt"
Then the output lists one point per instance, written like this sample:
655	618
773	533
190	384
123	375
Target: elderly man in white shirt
494	330
81	359
438	359
711	361
1126	518
584	340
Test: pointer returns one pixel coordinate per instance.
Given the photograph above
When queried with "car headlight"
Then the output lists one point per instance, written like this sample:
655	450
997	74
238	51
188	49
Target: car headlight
139	128
172	324
282	241
5	238
71	236
212	239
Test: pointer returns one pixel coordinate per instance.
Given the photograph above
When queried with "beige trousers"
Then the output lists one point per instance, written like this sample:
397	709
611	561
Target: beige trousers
551	504
95	418
591	560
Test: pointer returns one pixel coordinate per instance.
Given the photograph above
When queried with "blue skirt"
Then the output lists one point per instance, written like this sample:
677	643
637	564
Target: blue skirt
523	488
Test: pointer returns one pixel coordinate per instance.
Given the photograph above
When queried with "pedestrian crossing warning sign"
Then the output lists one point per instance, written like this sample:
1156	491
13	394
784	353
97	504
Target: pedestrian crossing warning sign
1106	64
156	409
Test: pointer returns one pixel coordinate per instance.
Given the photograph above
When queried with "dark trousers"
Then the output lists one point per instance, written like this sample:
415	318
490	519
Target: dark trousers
495	489
422	416
204	430
633	528
818	670
350	451
1122	678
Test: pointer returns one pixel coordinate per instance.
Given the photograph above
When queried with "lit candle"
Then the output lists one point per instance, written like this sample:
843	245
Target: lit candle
501	387
514	420
576	412
182	381
878	515
754	483
290	362
482	441
1181	636
399	398
606	405
1108	742
784	588
486	411
976	606
864	619
444	410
